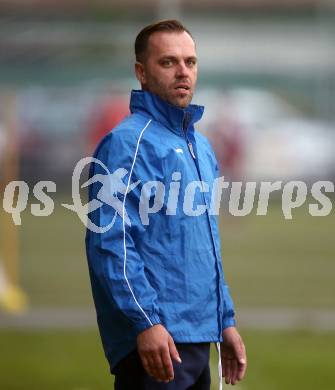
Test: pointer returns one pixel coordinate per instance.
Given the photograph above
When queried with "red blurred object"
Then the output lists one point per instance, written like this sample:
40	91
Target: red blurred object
107	114
227	142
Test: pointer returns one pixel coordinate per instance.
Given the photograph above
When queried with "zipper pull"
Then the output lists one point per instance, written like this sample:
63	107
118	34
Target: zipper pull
190	146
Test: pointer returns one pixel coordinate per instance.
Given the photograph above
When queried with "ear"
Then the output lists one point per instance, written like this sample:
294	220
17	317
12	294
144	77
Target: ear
140	72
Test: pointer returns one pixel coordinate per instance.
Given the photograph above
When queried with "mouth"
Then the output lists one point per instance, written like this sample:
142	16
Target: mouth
182	87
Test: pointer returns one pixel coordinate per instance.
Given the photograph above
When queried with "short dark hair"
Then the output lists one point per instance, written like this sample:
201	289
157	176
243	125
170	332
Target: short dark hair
141	41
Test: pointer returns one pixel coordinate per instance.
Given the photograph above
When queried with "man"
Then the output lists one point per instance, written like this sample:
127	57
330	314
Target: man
156	274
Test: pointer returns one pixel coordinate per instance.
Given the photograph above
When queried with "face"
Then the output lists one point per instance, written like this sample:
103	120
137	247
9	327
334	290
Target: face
170	67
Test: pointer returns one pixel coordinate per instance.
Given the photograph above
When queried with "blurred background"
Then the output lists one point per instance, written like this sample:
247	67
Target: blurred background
267	79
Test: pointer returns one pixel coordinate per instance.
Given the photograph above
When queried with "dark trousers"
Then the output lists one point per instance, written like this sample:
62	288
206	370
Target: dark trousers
192	374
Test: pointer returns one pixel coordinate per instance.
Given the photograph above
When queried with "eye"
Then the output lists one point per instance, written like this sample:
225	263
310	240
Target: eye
191	62
167	63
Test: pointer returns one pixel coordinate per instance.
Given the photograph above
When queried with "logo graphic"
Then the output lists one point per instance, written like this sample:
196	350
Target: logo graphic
179	150
111	185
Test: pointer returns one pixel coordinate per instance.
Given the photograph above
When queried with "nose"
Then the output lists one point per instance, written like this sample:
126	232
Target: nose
182	70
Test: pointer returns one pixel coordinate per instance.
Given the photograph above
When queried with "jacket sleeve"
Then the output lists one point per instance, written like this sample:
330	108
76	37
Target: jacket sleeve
229	312
228	318
113	255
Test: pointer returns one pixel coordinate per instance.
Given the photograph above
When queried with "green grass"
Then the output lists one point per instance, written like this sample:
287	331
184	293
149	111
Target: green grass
268	261
73	360
53	261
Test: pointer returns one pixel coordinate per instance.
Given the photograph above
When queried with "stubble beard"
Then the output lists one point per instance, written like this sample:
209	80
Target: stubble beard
166	94
182	102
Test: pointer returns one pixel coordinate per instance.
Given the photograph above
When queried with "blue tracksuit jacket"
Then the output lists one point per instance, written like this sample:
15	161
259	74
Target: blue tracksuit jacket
164	266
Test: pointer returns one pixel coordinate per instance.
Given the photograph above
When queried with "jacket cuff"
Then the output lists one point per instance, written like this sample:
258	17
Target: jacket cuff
229	319
144	324
228	322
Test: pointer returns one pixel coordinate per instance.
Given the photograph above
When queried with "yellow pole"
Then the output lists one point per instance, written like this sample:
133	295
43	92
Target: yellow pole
13	298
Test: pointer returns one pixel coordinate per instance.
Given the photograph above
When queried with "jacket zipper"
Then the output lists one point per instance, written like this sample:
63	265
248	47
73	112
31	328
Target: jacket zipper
191	150
186	121
190	147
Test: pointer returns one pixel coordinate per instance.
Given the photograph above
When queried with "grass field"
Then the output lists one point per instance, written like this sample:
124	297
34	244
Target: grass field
268	261
74	361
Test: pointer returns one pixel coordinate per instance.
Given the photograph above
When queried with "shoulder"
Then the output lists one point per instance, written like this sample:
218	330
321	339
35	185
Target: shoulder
132	126
124	136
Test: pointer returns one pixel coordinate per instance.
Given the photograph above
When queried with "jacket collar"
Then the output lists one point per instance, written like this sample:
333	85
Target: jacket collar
177	119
